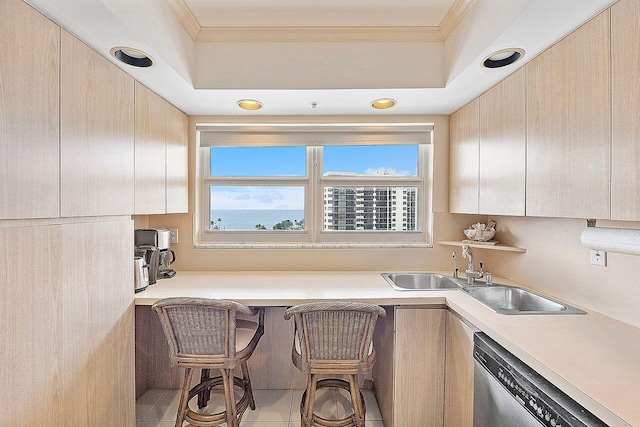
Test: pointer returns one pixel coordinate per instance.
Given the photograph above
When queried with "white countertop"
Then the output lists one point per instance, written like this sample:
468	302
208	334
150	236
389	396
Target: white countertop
591	357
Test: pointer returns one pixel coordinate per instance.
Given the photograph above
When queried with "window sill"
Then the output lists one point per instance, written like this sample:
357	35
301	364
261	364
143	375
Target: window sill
311	245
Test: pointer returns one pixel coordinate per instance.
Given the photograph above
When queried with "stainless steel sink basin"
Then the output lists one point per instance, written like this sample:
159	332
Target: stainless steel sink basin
420	281
512	300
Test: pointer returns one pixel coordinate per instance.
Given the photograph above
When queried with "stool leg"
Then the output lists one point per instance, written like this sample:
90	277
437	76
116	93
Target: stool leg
205	394
310	398
229	397
358	409
249	389
184	396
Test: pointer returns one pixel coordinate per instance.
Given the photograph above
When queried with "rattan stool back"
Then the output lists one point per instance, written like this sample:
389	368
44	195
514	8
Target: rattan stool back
205	334
333	339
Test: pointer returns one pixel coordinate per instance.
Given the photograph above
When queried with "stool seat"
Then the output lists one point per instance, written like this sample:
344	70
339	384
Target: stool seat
205	334
333	339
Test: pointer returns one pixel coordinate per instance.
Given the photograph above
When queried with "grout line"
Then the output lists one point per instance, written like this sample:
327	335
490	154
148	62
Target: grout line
144	418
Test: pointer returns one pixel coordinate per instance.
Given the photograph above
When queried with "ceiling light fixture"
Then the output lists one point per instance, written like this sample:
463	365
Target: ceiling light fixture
383	103
249	104
503	57
132	56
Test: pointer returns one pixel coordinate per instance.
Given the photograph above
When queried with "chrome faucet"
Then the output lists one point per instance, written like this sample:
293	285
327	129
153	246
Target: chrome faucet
455	266
470	272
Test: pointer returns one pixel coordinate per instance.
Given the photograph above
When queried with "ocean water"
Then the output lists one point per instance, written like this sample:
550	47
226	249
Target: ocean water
247	219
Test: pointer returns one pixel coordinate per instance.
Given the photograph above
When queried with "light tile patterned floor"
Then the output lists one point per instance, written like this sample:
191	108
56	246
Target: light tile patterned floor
274	408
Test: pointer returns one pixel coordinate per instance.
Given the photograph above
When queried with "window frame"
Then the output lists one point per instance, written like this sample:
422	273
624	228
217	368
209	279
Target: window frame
314	183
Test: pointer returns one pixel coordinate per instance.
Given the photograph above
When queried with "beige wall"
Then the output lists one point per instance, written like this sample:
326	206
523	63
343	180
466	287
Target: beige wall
557	264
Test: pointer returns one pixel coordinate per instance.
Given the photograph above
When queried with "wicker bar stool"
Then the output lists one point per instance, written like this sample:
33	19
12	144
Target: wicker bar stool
333	339
205	334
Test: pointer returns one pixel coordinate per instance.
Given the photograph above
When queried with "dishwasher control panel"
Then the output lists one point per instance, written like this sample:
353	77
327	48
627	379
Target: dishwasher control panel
548	404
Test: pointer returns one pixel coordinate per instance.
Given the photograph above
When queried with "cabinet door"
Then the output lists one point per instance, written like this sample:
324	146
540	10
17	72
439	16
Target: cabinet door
177	161
29	113
625	150
464	154
569	125
96	134
150	152
419	367
31	319
458	399
97	358
502	148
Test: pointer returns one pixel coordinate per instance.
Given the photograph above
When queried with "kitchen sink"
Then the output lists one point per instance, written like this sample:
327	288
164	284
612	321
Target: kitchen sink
420	281
513	300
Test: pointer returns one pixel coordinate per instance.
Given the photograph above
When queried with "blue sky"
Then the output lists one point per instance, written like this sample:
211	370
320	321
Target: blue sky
290	161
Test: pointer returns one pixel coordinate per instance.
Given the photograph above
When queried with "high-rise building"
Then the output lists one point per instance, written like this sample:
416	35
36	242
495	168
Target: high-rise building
370	208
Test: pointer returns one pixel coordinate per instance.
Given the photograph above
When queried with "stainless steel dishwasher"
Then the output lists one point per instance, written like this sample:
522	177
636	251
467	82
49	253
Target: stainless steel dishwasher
508	393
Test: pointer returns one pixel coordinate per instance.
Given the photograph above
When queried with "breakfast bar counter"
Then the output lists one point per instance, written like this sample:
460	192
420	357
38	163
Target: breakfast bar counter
592	358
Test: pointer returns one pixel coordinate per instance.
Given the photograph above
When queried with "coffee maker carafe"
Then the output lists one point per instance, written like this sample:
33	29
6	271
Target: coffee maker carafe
158	238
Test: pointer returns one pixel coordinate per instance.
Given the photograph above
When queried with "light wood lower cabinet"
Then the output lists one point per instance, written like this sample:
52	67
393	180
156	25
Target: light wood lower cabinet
29	113
97	330
30	335
409	372
458	372
66	316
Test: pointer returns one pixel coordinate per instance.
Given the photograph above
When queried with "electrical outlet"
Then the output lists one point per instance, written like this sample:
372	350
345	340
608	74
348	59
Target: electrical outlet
599	258
173	235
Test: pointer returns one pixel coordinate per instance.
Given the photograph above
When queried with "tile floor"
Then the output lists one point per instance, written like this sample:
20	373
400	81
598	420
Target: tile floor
274	408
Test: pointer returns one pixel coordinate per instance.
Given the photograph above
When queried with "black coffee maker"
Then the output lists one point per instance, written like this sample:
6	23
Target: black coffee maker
155	243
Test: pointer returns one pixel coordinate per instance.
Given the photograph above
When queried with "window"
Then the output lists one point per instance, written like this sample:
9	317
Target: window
294	185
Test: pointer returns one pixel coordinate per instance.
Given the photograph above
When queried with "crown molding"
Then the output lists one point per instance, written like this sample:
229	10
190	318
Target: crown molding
454	16
184	15
311	34
319	34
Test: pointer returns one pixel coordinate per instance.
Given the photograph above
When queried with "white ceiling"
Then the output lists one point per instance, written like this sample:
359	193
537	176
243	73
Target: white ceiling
342	75
247	13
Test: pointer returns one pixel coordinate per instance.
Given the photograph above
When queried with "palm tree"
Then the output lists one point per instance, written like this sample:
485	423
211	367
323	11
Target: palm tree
260	227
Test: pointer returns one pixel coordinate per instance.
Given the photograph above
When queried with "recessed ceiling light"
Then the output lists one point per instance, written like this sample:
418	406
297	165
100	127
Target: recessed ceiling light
502	58
132	56
249	104
383	103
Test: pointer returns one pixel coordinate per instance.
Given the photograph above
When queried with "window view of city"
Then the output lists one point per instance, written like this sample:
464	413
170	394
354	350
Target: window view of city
245	195
370	208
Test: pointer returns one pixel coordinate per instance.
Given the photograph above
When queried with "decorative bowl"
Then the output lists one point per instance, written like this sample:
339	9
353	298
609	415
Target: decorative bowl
478	235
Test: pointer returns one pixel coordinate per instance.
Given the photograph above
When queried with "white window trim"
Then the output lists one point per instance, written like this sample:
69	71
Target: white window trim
314	236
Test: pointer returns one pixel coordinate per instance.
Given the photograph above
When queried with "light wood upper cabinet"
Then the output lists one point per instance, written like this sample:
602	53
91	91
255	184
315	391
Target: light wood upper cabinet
464	151
502	148
150	161
177	161
160	155
96	134
625	150
569	125
458	399
29	113
409	372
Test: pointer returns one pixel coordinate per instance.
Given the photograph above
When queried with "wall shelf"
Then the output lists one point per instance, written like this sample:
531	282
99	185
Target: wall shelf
497	247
